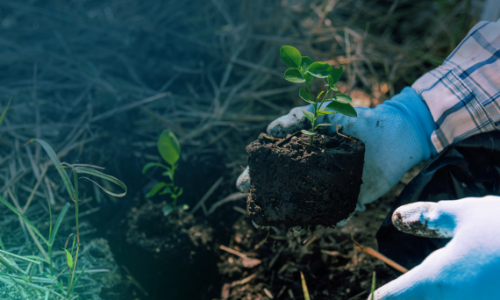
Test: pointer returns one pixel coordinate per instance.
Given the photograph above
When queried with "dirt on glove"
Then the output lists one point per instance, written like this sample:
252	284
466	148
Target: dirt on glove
296	184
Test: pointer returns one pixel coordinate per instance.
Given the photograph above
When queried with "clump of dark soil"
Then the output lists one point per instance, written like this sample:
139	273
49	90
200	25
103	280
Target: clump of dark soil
296	184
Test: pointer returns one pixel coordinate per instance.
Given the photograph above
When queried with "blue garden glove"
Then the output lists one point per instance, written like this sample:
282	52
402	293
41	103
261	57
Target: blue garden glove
467	267
396	136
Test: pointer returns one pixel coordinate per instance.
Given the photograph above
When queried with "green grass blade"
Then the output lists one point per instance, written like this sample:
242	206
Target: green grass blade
84	170
58	223
28	222
374	285
4	112
76	280
26	258
304	287
59	167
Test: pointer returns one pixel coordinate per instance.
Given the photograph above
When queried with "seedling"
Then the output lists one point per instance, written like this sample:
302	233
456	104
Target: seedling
304	69
170	151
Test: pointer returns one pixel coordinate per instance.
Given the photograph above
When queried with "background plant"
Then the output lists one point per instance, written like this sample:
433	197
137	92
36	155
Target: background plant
170	151
303	70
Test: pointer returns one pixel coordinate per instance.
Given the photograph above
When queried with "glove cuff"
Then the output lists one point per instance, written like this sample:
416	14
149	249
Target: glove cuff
415	109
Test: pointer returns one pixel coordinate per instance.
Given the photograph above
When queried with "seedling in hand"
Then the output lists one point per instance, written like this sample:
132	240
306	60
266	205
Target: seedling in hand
303	69
170	151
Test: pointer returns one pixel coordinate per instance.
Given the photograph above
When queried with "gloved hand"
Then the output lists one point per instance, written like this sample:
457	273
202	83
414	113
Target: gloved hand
467	267
396	136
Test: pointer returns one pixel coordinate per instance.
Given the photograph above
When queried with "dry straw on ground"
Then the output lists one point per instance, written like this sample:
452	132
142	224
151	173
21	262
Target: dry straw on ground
99	80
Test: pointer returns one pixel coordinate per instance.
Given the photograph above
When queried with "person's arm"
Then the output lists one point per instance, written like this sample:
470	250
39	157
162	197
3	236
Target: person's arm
463	94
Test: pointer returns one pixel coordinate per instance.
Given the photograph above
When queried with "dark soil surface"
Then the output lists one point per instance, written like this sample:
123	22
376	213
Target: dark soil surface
332	268
296	184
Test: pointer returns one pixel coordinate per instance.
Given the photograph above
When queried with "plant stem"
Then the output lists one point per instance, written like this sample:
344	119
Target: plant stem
315	110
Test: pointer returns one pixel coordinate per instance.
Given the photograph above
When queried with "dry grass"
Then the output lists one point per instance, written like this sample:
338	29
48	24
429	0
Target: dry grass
95	77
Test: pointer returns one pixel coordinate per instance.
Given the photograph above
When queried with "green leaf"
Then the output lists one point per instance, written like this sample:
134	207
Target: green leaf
290	56
325	112
169	147
308	132
330	82
59	167
150	165
320	69
325	125
304	95
342	98
167	209
4	112
342	108
179	193
24	219
53	234
166	190
306	62
294	75
69	259
156	189
309	115
336	73
85	170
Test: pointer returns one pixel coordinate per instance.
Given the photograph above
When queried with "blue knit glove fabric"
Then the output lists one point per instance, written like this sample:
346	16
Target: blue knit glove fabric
467	267
396	135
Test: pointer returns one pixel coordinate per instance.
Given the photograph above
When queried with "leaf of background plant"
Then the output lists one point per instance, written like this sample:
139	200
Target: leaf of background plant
325	112
166	190
336	74
307	132
24	218
69	259
169	147
304	95
309	115
320	69
342	108
167	209
149	165
343	98
156	189
60	218
64	176
290	56
293	75
185	207
306	62
4	112
181	190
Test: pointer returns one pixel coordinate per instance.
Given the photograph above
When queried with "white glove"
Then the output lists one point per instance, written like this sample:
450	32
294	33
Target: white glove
467	267
396	136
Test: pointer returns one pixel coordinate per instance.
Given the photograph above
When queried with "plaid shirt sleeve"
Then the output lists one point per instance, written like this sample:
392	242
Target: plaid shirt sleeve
463	94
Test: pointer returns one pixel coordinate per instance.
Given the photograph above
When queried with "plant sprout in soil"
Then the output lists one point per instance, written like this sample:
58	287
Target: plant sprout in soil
170	151
304	69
